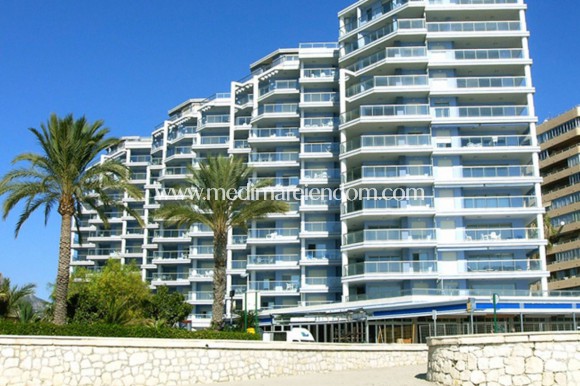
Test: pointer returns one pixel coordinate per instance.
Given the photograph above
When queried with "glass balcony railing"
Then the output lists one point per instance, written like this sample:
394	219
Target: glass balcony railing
274	157
499	202
200	296
289	85
239	239
488	141
391	267
273	259
278	108
319	97
381	235
180	133
499	234
244	100
326	147
480	111
241	144
171	234
316	45
174	276
497	171
387	81
402	171
277	62
239	264
370	37
206	273
178	150
285	132
104	251
320	174
176	170
170	255
215	119
316	73
212	140
474	26
385	111
391	53
273	233
378	204
480	82
139	176
354	23
107	233
276	181
322	226
323	281
317	201
201	250
322	254
477	54
504	265
140	158
320	122
378	141
243	121
277	286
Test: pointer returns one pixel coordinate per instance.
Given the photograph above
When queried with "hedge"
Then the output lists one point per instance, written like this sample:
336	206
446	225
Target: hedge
116	331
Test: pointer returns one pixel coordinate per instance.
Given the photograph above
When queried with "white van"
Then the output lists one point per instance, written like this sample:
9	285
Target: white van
296	334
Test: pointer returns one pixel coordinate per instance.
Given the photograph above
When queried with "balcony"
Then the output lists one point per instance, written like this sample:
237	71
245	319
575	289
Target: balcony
378	237
211	142
382	143
241	144
387	112
320	227
239	240
266	158
279	87
201	251
319	124
503	171
317	283
380	205
174	172
273	234
484	144
170	235
319	150
505	265
478	84
391	267
200	296
321	257
352	24
245	101
319	75
319	98
243	122
276	182
201	274
393	54
278	110
473	27
499	202
384	174
220	120
484	114
275	286
139	159
239	265
138	177
473	2
105	234
497	235
476	56
275	135
104	253
174	277
385	83
181	132
178	152
164	257
270	261
321	176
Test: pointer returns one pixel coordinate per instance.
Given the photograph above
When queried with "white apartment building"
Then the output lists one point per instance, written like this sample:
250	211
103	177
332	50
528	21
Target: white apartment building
427	94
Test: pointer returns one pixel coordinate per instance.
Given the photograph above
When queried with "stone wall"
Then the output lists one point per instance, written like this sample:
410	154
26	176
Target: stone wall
505	359
105	361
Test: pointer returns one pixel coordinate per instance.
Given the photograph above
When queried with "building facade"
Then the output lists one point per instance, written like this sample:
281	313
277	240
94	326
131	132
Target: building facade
560	166
432	96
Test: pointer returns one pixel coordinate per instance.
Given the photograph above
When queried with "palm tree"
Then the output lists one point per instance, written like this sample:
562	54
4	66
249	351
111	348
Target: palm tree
220	174
61	176
11	297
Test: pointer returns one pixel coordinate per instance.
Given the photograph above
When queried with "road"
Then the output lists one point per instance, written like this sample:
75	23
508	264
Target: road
394	376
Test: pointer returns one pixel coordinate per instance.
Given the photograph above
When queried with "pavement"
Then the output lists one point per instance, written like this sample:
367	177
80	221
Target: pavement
393	376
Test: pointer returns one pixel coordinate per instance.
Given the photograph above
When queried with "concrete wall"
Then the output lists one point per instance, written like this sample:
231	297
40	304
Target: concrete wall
115	361
506	359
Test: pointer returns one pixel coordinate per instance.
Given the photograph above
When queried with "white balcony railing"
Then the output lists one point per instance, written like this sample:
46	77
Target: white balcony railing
380	236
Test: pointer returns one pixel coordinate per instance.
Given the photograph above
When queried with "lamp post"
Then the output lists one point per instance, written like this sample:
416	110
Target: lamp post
495	299
232	294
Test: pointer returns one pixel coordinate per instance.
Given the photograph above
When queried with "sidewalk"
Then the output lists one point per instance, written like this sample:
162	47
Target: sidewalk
394	376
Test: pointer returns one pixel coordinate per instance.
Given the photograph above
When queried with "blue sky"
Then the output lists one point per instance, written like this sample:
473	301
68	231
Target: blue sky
128	62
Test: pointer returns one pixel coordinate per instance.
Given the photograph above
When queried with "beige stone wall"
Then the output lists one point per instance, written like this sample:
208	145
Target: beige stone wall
107	361
505	359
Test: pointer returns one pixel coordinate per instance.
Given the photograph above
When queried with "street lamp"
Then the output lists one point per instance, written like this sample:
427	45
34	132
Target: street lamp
495	300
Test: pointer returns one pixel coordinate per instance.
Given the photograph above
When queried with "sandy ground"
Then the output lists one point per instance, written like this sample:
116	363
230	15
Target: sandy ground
394	376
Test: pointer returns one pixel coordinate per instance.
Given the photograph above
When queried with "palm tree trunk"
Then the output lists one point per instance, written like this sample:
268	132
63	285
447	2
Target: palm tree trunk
62	277
219	278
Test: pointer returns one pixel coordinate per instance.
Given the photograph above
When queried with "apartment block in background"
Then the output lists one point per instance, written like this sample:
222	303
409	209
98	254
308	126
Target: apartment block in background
560	166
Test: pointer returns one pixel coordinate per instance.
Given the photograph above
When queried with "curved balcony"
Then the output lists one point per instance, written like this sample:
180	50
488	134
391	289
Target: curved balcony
218	120
278	87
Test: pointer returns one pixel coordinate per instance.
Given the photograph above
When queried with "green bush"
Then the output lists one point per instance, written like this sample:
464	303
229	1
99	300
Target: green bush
116	331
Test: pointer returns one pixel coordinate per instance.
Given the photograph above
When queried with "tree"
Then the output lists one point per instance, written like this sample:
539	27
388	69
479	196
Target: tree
11	297
215	207
167	307
116	295
62	176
